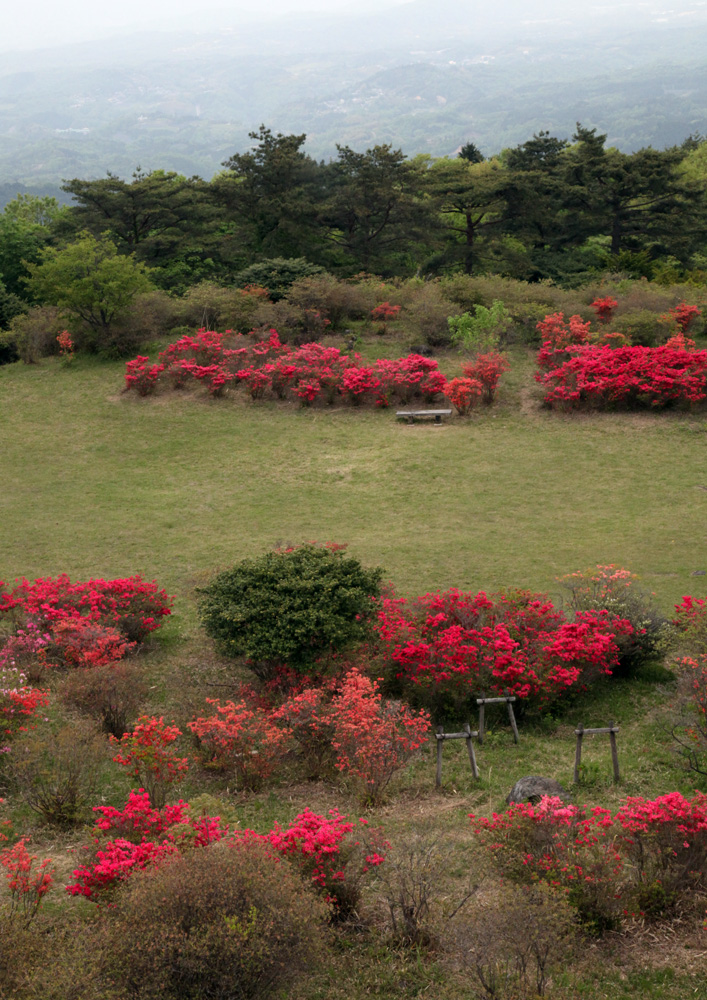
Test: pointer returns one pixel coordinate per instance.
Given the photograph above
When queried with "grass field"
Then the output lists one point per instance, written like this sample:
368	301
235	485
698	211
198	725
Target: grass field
98	483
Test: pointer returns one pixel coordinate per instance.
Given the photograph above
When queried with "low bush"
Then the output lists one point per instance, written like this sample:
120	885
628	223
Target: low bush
615	590
241	741
133	606
33	334
57	774
333	853
224	922
150	758
644	859
290	607
373	738
629	377
110	694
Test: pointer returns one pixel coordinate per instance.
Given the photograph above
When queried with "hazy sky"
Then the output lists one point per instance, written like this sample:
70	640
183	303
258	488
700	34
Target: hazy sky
31	24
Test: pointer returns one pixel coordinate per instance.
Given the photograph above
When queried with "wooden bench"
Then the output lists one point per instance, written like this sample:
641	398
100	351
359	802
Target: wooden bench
412	415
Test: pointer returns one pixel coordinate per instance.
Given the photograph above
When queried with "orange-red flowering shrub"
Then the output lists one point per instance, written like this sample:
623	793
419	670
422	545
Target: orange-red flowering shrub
374	738
28	883
239	739
487	370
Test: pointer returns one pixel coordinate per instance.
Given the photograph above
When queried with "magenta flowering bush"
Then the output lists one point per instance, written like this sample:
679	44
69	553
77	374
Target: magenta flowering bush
644	859
265	367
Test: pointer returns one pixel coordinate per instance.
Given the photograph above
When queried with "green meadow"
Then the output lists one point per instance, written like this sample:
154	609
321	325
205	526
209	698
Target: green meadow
100	483
96	482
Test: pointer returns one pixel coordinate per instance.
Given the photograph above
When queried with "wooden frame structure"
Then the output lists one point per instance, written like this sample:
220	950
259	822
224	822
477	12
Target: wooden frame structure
466	734
483	701
611	730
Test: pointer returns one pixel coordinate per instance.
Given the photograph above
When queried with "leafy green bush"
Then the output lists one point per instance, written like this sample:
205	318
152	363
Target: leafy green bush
290	606
33	334
222	922
482	331
216	307
642	327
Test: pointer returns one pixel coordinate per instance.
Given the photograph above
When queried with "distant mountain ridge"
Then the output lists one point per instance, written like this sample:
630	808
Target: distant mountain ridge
424	76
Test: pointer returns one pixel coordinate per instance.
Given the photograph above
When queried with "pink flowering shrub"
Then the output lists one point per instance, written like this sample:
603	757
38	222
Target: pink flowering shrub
640	860
147	753
131	605
456	645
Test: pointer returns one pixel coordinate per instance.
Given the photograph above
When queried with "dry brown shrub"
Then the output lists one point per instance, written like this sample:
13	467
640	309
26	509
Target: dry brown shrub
511	945
34	333
111	694
222	922
57	774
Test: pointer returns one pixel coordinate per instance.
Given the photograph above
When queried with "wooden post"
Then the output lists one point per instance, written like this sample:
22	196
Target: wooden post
579	731
482	706
512	717
614	751
470	748
440	743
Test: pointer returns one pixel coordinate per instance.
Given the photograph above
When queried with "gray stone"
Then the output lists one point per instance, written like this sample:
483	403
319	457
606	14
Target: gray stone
532	788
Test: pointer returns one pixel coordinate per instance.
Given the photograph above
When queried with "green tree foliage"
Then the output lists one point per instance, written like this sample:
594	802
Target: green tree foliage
277	275
271	195
169	221
374	212
290	607
92	283
470	195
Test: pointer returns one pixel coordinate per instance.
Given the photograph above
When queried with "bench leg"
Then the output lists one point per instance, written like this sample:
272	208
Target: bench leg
438	419
411	420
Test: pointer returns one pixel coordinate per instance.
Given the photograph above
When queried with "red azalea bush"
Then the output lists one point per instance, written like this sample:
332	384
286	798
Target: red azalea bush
332	852
487	369
325	852
373	738
643	859
145	836
457	645
604	308
623	376
147	753
464	394
131	605
691	622
683	315
28	883
240	739
309	372
385	313
19	704
81	642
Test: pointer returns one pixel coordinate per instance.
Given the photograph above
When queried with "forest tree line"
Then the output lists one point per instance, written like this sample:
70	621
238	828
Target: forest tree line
549	209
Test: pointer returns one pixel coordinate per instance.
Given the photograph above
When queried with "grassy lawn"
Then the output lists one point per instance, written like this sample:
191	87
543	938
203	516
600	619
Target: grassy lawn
98	483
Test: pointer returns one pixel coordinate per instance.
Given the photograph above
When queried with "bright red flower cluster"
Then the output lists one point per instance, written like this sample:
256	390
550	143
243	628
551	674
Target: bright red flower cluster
140	835
385	313
147	752
515	642
132	606
648	852
604	308
623	376
487	370
137	823
324	851
28	884
309	372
